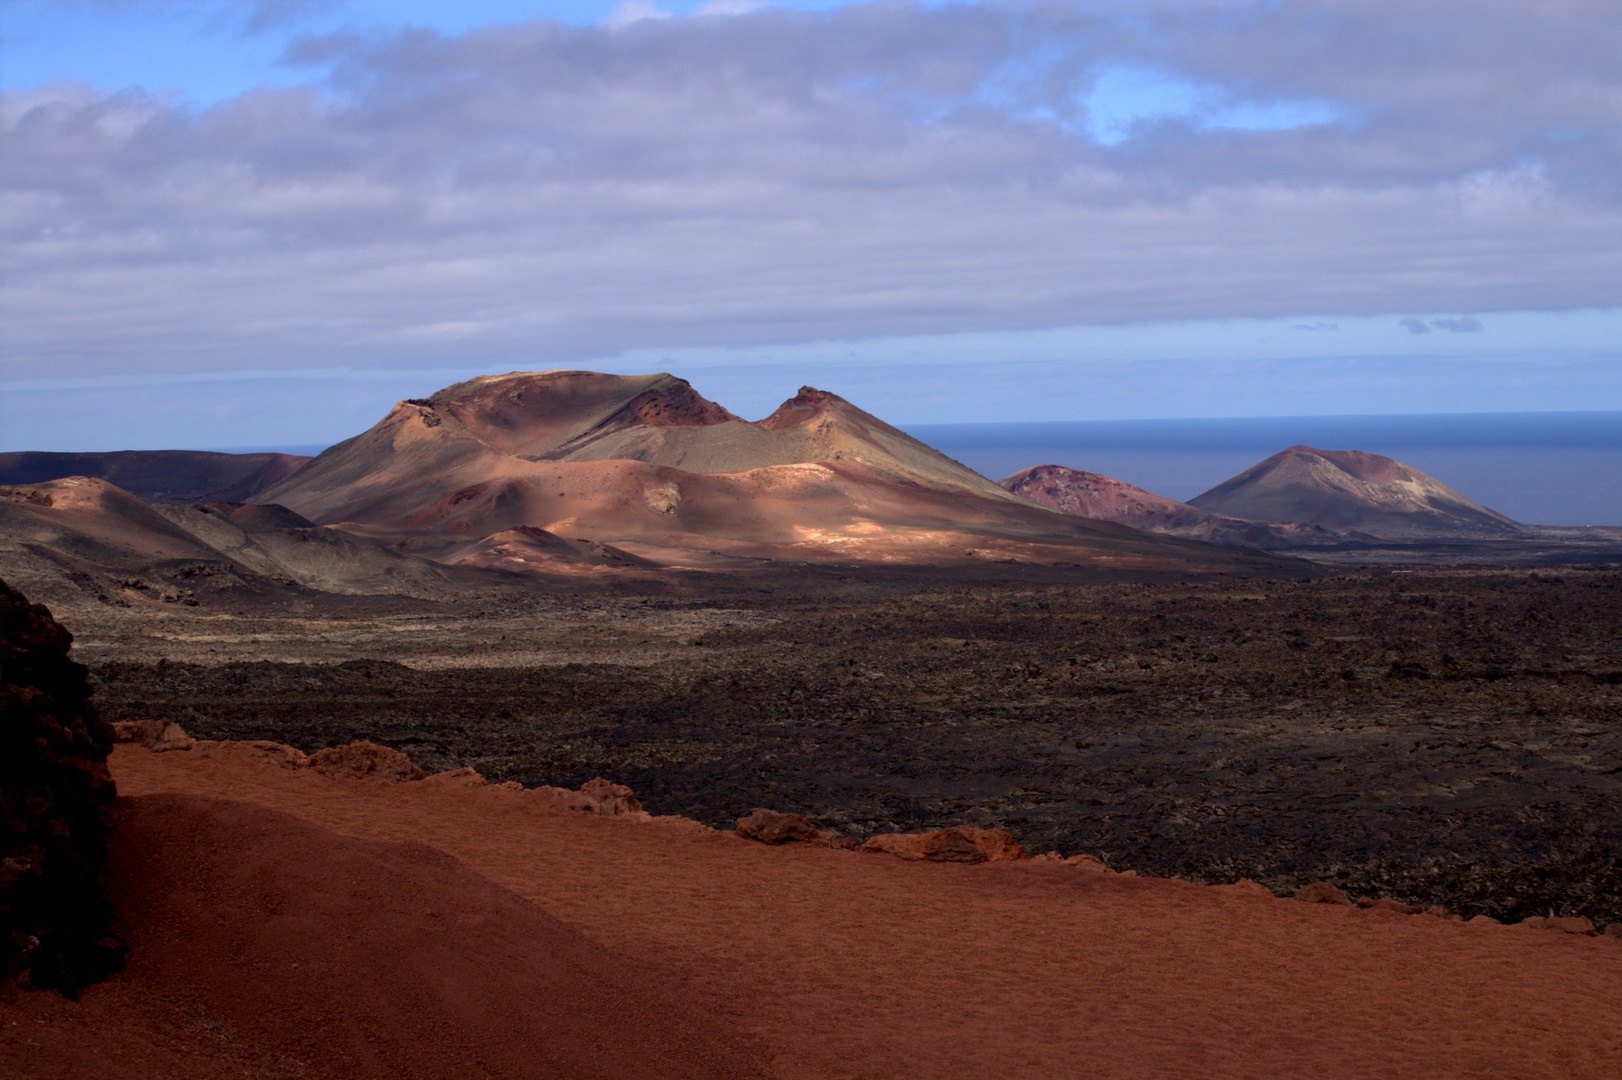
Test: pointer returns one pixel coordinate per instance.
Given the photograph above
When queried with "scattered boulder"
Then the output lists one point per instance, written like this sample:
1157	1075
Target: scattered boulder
596	796
466	776
1569	924
1321	892
612	800
365	760
271	753
960	843
771	827
1614	930
1387	904
1084	862
56	800
1244	884
155	735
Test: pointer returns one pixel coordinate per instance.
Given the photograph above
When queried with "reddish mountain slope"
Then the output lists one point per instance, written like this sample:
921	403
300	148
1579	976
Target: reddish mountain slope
647	465
1092	495
491	424
1345	490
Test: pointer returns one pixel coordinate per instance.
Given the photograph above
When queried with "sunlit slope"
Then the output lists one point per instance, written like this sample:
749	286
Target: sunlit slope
648	465
1348	490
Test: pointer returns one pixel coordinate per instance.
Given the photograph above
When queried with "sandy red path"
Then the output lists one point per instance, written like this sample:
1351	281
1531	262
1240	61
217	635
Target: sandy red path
809	963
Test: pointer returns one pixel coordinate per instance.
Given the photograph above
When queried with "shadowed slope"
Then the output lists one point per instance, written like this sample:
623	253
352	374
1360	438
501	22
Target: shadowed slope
158	475
79	539
1343	490
261	940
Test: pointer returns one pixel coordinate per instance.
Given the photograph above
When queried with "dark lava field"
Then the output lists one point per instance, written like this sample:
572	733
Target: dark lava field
1442	736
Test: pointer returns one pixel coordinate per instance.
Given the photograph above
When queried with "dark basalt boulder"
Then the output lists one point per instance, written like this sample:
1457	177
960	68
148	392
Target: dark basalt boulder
56	799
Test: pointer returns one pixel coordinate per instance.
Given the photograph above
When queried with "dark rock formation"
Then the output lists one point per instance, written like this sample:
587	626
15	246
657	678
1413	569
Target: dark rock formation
55	808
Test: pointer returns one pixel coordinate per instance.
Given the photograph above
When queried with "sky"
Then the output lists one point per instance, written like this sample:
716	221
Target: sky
244	223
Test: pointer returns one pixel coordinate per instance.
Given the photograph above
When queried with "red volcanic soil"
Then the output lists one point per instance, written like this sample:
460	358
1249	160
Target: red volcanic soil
442	929
1092	495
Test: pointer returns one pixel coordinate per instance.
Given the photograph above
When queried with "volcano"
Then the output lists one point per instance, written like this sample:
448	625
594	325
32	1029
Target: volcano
1093	495
1348	490
650	468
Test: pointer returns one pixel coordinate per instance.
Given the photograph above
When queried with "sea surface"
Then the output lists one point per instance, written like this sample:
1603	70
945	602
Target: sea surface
1560	468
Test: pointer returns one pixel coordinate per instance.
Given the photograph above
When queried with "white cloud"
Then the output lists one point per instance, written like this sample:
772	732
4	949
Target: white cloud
538	194
627	12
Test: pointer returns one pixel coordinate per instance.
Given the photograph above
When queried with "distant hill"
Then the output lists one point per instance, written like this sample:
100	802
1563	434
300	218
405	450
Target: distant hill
1092	495
1347	491
649	468
81	539
176	476
580	417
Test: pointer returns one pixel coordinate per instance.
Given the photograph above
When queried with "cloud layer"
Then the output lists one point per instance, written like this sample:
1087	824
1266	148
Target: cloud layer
542	193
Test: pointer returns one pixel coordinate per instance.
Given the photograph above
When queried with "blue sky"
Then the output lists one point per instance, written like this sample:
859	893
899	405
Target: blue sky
245	224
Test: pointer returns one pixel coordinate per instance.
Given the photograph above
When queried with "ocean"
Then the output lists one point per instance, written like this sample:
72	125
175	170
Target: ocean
1561	468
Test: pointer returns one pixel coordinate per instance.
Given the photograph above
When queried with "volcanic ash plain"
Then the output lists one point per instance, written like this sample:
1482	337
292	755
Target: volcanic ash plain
1442	736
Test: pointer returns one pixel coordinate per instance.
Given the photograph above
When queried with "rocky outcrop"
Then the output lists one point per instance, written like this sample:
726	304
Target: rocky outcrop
597	796
960	843
364	760
55	808
261	750
772	827
1388	904
1569	924
154	735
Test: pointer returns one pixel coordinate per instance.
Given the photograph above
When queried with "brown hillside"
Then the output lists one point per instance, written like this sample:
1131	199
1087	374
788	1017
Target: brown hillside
648	466
1102	498
1346	490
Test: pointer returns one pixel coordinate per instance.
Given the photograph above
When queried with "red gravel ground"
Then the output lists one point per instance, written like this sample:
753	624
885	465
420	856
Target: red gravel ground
288	924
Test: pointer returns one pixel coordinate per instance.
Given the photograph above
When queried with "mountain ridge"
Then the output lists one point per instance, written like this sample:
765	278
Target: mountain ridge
647	466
